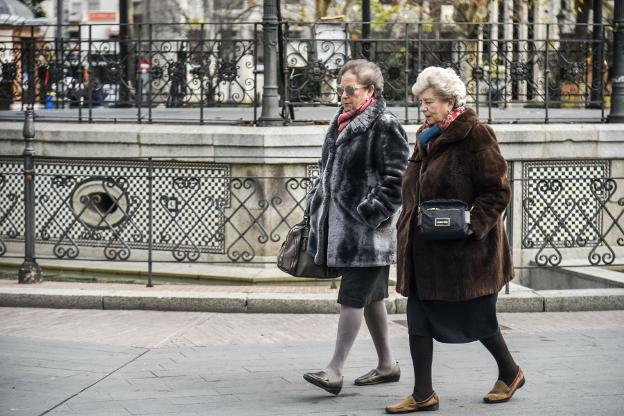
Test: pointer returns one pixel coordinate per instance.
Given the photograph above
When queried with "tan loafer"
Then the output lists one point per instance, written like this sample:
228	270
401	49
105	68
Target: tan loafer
409	404
373	377
501	392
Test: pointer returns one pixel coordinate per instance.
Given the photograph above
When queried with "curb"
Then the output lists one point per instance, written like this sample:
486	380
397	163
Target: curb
520	301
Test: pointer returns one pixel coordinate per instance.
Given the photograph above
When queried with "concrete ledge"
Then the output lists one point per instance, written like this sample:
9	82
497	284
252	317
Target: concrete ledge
291	303
278	145
401	304
582	300
520	300
50	298
391	307
176	301
524	301
516	302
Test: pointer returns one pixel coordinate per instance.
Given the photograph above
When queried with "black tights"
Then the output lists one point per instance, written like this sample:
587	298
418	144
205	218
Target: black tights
507	367
421	349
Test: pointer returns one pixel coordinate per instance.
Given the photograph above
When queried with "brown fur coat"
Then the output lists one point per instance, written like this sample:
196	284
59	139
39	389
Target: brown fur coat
464	163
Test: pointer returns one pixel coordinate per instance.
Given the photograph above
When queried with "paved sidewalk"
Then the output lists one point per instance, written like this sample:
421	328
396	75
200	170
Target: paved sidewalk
77	362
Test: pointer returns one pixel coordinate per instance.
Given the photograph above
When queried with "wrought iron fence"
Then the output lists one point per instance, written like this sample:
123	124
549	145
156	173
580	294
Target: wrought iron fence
163	211
516	65
117	209
196	73
158	66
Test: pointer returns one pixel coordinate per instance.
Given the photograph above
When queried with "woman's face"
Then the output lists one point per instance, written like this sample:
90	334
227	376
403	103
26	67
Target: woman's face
352	93
433	107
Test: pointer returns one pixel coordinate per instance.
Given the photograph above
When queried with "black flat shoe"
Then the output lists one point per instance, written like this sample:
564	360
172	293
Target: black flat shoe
321	379
373	377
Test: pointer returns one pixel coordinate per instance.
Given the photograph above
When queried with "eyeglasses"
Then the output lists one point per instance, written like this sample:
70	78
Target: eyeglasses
349	89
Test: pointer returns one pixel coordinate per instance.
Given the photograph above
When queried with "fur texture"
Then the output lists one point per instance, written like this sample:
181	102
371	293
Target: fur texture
354	201
464	163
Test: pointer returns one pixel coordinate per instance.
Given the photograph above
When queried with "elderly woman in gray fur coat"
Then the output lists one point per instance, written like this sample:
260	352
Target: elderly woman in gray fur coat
353	206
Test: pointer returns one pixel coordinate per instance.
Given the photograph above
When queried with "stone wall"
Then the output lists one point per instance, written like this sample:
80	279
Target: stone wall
269	167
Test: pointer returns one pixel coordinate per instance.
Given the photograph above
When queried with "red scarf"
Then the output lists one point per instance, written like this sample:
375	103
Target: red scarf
447	120
345	117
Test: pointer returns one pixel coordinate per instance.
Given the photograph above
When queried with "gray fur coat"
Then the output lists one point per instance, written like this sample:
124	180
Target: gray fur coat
353	203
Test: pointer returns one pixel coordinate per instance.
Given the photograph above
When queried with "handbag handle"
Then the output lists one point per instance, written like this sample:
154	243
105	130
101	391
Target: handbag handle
420	182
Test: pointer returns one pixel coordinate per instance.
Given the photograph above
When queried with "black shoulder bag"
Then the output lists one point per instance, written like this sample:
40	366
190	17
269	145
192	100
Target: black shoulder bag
293	257
442	219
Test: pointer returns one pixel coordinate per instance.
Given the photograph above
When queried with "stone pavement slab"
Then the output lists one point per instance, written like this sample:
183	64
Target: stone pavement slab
189	363
36	376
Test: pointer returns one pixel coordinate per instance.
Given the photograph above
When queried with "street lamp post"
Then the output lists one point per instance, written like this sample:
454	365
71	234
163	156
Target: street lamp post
366	18
596	95
124	56
59	26
617	96
270	99
29	272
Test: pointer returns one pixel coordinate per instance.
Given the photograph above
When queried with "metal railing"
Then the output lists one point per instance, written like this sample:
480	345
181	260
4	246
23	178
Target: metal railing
214	72
156	210
513	72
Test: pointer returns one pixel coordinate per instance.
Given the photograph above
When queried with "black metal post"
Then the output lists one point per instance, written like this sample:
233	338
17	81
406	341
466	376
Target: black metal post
366	18
124	29
202	100
617	96
31	67
150	232
510	214
59	33
149	78
596	95
546	77
406	72
91	73
270	99
29	272
255	90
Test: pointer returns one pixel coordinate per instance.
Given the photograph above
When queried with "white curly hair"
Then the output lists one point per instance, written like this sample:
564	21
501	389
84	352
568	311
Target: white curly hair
444	81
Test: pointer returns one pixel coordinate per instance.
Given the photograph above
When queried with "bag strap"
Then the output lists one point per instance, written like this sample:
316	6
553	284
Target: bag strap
306	220
420	182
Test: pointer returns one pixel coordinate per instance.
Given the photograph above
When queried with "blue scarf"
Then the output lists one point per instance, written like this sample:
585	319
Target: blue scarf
428	135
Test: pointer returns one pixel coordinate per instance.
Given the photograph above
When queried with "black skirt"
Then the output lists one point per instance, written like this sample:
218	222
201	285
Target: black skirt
359	286
452	322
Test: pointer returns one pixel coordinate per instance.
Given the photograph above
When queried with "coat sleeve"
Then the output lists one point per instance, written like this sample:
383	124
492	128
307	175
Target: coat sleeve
491	184
392	151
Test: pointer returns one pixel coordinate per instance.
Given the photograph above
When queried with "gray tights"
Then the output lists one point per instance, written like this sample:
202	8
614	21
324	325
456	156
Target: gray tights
349	324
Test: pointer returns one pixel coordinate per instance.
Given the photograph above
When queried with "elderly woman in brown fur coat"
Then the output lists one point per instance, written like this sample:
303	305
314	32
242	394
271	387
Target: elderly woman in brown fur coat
452	285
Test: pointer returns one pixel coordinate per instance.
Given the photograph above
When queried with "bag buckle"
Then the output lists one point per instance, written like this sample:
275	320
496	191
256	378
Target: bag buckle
442	222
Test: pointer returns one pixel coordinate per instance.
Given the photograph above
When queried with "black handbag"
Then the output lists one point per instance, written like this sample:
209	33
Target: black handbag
293	257
442	219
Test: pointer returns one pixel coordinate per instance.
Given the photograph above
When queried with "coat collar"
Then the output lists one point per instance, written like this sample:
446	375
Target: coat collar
455	132
359	124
